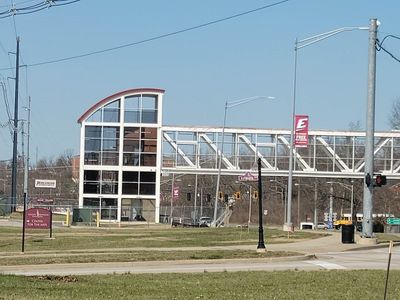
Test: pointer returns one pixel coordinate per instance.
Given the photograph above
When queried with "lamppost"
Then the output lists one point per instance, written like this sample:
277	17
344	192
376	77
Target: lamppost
299	44
284	186
298	200
229	104
250	192
351	189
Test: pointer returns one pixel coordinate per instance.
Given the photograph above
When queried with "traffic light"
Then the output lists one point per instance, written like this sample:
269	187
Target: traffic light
188	196
255	195
208	198
220	195
380	180
226	199
237	195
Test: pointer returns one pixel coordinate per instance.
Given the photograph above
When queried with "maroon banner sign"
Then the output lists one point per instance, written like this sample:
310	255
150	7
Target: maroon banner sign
38	218
301	131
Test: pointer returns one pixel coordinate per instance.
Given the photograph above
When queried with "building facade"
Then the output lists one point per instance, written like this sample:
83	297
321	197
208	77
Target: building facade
120	156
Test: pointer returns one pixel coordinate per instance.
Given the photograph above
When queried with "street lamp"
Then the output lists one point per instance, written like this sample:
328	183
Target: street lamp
298	200
250	191
229	104
298	45
284	186
351	189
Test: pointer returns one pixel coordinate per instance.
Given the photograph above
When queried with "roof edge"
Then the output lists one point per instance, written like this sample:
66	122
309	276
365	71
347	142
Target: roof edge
117	95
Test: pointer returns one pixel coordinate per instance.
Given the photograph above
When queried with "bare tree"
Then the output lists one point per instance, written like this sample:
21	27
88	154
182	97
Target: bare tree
394	117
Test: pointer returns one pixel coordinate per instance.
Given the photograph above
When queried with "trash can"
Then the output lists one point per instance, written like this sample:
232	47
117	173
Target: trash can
347	234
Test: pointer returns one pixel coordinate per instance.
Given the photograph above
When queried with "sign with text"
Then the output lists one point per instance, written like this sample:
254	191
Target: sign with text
45	183
38	218
248	177
301	131
176	192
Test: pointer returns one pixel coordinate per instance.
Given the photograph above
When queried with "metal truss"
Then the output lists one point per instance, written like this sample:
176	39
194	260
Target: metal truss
195	150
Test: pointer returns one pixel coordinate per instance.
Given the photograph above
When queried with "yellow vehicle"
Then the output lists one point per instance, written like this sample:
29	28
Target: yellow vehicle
344	220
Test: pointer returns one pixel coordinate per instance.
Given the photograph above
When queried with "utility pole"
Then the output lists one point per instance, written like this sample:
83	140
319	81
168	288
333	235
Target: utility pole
15	137
26	171
369	135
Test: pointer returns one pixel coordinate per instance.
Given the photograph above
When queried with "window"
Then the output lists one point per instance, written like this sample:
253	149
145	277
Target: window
100	182
141	109
107	113
101	145
140	146
138	183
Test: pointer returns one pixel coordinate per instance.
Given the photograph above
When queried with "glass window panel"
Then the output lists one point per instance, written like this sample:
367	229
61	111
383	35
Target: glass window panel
132	117
131	159
92	158
148	160
111	115
90	187
92	144
91	202
149	116
130	188
93	131
149	102
95	117
110	158
109	176
111	145
91	175
111	132
131	146
132	133
109	188
130	176
149	146
132	103
149	133
147	189
147	177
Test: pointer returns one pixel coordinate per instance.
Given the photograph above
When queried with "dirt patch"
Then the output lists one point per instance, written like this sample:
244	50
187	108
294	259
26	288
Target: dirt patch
64	279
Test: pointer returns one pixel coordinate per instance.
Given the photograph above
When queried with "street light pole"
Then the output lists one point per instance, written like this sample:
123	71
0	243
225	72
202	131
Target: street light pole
288	226
229	104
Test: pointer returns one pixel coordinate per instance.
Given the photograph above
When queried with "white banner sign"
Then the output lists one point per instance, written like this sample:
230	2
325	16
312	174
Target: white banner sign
45	183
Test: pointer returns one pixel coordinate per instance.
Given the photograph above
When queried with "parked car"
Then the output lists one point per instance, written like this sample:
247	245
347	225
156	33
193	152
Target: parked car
322	225
205	222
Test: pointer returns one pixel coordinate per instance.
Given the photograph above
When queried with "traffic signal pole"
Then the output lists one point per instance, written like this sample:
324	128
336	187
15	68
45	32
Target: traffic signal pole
367	229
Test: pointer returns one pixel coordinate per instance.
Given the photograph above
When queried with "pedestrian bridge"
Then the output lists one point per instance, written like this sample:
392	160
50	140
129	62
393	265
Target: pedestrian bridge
340	154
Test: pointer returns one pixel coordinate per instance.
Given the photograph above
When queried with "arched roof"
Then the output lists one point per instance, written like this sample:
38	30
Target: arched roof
111	98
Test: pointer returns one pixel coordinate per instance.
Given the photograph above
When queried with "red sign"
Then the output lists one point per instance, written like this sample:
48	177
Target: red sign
38	218
176	192
301	131
248	177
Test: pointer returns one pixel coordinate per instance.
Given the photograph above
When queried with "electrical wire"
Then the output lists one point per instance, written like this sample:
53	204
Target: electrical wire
14	10
157	37
379	46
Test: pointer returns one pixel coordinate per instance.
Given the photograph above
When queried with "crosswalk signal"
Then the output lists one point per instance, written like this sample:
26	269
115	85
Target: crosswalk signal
208	198
380	180
237	195
188	196
220	195
226	198
255	195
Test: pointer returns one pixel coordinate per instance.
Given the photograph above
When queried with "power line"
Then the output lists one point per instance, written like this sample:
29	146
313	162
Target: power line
380	47
14	10
159	36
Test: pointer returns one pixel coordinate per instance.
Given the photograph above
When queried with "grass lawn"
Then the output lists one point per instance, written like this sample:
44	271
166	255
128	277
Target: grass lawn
239	285
86	244
145	237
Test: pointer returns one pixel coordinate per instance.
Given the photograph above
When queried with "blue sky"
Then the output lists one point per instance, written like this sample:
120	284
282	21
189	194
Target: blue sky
200	69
